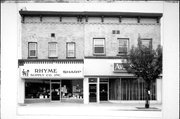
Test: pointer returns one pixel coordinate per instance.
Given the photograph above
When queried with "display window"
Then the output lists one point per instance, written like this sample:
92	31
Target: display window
54	90
72	89
129	89
37	89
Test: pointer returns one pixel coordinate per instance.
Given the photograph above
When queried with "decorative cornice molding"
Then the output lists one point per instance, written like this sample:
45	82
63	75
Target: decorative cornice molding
90	14
21	62
87	23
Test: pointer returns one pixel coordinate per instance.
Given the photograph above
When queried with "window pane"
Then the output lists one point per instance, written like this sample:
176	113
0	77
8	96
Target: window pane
52	53
123	42
32	53
99	42
32	49
134	89
70	46
122	49
99	46
52	49
72	89
40	89
123	46
32	46
71	54
70	49
52	46
99	49
145	43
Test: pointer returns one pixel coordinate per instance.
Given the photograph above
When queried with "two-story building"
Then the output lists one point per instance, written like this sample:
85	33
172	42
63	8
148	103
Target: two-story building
77	56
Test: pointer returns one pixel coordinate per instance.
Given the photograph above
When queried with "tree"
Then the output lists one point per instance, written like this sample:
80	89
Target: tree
145	63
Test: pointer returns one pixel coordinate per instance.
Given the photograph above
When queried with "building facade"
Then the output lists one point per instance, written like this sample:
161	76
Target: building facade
77	56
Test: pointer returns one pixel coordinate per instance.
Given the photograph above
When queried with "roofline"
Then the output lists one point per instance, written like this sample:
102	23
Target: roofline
89	14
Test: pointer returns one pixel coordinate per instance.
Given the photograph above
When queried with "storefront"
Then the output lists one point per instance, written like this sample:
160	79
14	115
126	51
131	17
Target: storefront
110	82
119	89
87	81
52	81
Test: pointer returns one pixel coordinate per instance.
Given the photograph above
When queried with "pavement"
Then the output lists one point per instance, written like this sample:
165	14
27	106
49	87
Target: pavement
56	110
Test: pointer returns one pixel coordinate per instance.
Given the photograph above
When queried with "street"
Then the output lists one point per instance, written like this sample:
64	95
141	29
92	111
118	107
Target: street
90	111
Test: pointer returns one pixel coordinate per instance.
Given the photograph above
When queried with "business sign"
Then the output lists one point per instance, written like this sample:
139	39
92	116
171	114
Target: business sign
118	67
51	71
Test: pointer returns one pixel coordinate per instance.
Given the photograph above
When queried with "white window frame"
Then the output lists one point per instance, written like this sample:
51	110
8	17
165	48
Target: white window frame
35	49
94	45
67	50
55	49
119	45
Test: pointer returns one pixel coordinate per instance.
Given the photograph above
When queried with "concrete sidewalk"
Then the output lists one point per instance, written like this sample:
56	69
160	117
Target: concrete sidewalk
93	111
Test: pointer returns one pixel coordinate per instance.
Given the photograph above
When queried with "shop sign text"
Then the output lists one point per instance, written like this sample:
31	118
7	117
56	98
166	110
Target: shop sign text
58	72
40	73
118	67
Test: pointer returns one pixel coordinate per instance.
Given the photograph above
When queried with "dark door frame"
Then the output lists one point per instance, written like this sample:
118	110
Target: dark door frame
51	83
95	92
107	83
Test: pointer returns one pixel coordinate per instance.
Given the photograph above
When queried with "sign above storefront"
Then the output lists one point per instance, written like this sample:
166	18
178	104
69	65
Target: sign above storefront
51	71
118	67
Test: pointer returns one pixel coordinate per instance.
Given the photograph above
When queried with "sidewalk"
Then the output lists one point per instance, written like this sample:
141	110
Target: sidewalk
102	110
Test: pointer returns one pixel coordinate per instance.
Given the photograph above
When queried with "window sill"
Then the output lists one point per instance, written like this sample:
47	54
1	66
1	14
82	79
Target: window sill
70	57
53	57
32	57
122	54
99	54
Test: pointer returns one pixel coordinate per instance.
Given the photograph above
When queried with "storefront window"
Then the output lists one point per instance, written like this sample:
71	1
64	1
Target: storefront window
72	89
129	89
37	89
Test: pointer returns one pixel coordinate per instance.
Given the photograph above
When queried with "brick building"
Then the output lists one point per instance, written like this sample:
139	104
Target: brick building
77	56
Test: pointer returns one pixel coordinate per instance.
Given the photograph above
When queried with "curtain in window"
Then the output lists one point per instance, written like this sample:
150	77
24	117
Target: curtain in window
129	89
32	49
99	46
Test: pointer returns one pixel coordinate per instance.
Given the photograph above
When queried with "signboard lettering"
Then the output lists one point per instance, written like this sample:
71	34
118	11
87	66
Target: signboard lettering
72	71
118	67
45	70
52	71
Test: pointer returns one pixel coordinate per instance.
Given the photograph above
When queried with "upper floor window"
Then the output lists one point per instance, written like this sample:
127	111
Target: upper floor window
123	45
52	48
70	50
32	49
146	42
99	46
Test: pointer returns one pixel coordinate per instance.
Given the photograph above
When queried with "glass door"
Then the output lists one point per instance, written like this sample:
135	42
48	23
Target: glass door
55	91
103	91
92	92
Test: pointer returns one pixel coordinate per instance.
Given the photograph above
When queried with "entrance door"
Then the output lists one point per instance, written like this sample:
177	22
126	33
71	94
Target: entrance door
92	93
103	92
55	91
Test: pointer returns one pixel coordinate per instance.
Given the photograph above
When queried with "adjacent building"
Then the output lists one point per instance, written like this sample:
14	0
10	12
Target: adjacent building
77	56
